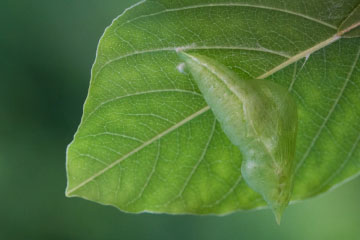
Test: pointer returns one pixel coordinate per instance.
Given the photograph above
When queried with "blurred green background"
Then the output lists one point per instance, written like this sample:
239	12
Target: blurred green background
47	48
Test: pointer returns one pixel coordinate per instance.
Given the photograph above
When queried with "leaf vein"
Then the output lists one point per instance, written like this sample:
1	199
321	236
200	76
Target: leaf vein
236	5
113	134
338	171
226	195
203	154
170	49
148	179
139	94
145	144
313	142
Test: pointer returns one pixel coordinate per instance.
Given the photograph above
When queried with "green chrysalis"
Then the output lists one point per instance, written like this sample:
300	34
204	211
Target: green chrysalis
260	118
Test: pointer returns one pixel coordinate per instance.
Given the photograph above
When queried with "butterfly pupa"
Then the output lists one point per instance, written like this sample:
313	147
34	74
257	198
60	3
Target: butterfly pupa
260	118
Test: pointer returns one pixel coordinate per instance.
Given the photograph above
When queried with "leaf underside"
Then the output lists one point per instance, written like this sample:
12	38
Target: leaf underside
147	140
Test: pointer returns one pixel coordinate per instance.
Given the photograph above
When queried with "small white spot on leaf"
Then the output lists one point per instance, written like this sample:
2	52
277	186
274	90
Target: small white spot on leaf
181	67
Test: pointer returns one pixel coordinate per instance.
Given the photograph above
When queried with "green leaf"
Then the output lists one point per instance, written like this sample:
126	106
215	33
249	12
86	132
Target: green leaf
149	142
352	22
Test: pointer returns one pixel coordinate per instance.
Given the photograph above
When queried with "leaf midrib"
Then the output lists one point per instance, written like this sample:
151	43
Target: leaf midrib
160	135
